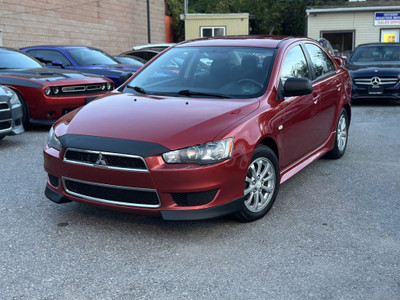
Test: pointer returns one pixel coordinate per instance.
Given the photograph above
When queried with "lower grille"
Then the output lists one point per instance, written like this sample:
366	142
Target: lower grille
112	194
193	199
5	125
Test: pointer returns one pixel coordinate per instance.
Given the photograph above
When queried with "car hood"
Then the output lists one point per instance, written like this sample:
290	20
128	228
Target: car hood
47	75
174	122
377	70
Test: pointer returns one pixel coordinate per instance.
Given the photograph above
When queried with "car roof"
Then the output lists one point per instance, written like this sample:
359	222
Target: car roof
242	40
151	46
58	46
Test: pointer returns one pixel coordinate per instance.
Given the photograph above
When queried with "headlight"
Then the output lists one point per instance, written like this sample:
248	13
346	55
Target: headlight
201	154
109	86
48	91
14	100
53	141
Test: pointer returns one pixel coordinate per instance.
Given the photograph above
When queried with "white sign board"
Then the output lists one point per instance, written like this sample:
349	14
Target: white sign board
387	18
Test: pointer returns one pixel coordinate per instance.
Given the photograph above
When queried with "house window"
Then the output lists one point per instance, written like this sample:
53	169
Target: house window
212	31
390	35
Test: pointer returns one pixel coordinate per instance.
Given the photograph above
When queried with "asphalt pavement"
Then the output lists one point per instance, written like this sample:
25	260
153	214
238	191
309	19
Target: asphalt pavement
333	233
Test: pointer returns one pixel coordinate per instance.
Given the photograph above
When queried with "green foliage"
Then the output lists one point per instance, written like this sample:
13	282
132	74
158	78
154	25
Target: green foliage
279	17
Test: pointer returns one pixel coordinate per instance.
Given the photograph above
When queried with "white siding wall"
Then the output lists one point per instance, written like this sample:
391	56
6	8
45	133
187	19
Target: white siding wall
361	22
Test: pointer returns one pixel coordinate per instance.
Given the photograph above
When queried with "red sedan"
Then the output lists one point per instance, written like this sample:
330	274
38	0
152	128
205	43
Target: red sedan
211	127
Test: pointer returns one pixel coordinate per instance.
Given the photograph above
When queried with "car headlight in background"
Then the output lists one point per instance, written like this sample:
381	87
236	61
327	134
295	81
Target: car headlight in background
208	153
48	91
53	141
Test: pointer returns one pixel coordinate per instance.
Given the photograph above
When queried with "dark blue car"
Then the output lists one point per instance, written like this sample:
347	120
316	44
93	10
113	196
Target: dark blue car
82	59
375	70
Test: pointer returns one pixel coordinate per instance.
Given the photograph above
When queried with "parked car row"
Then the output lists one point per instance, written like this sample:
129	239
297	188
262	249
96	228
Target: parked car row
210	127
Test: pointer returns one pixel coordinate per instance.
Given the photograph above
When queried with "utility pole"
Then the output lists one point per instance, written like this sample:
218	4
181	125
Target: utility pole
148	22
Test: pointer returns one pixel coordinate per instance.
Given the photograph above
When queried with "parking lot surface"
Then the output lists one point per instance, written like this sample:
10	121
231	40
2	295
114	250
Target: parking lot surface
333	233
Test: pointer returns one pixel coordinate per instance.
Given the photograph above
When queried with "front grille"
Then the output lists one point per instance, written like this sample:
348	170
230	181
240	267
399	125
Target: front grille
112	194
369	80
192	199
4	106
81	89
105	159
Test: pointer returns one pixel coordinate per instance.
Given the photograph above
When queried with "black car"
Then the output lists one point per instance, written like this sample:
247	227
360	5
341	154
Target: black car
10	113
375	70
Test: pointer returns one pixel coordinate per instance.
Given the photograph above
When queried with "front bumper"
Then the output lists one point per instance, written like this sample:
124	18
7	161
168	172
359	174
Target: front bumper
53	108
381	92
11	119
176	192
174	215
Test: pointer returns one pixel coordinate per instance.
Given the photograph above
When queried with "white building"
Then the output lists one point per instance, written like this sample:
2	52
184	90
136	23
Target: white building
359	23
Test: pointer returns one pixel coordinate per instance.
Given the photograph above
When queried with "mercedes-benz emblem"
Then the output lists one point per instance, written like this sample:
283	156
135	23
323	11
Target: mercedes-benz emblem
376	81
101	160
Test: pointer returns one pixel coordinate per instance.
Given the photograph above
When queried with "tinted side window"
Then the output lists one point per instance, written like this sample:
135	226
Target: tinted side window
295	65
47	56
321	62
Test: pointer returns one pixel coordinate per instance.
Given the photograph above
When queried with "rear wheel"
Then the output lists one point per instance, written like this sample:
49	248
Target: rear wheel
342	131
261	185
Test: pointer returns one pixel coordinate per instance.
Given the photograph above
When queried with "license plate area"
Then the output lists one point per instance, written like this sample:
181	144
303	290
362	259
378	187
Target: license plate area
375	90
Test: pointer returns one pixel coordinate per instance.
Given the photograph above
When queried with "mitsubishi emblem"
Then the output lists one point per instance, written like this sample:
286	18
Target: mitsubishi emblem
101	160
376	81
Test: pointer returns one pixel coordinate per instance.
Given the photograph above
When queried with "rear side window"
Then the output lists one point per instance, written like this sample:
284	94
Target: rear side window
321	62
47	56
295	65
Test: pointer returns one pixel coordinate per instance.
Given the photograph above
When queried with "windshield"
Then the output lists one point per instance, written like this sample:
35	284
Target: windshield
89	57
130	60
231	72
10	59
376	54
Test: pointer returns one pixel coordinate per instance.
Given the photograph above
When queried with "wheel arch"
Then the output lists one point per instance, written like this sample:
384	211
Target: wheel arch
270	142
348	110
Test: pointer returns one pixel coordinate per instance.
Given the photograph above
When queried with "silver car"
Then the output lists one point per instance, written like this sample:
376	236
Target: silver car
10	113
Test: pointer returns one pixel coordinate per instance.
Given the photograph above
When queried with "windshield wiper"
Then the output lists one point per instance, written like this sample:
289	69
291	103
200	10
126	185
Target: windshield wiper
194	93
137	89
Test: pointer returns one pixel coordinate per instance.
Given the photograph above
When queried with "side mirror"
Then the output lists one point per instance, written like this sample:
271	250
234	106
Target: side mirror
57	63
339	60
297	87
124	77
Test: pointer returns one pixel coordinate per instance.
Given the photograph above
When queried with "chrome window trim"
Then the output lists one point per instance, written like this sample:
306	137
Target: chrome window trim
112	186
105	153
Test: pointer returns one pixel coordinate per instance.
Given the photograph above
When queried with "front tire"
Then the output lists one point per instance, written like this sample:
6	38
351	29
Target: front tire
342	134
261	185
